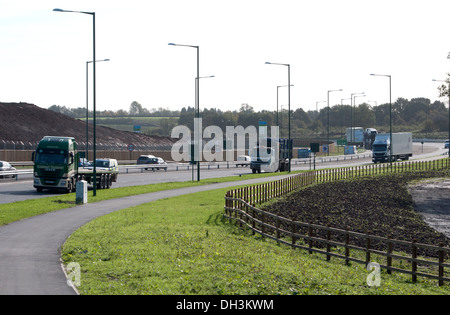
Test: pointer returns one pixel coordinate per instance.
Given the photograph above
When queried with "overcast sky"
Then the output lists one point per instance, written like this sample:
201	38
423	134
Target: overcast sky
330	45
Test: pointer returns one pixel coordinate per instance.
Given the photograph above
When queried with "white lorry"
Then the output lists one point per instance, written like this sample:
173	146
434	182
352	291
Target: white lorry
355	136
271	158
400	148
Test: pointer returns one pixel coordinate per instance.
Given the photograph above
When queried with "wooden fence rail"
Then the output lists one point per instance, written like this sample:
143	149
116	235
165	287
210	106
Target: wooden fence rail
333	242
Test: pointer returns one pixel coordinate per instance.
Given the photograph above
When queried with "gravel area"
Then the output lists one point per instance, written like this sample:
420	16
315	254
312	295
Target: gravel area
432	200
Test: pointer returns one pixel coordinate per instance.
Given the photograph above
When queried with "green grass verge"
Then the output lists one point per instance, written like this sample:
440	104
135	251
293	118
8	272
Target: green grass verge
182	245
19	210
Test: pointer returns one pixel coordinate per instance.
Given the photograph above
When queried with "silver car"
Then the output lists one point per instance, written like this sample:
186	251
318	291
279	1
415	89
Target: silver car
6	167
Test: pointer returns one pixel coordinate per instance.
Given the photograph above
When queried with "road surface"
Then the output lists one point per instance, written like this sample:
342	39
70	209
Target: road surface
12	190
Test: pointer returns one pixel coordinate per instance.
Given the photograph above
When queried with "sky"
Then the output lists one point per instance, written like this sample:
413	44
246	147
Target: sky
329	45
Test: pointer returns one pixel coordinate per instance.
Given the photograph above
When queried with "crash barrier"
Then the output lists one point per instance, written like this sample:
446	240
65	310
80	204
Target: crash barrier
240	206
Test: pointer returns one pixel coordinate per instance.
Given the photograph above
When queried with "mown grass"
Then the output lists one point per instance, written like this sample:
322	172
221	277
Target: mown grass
19	210
182	245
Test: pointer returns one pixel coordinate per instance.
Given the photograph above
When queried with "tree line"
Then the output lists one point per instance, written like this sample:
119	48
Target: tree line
418	115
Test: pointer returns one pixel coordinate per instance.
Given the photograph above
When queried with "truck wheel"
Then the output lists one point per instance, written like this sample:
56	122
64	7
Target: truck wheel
100	182
108	181
69	186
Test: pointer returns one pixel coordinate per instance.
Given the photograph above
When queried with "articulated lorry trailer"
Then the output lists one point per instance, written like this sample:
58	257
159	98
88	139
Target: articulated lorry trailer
56	161
400	148
355	136
273	157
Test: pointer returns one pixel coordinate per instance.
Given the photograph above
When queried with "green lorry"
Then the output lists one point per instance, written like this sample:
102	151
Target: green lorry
56	161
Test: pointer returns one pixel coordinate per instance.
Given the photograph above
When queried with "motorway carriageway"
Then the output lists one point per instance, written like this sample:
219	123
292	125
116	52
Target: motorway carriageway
22	189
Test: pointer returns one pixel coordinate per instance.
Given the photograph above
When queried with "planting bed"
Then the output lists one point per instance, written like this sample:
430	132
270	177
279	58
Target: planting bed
379	205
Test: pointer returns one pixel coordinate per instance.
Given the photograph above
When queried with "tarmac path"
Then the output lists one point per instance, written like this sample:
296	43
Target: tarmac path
30	249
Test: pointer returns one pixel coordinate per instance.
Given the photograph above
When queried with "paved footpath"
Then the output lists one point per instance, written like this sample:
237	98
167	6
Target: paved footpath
30	248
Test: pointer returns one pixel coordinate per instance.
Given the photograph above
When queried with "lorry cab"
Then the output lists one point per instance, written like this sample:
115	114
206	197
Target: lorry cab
55	163
264	159
380	149
400	148
273	157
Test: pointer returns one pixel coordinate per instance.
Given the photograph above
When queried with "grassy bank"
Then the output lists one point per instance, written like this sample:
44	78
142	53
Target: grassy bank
15	211
181	245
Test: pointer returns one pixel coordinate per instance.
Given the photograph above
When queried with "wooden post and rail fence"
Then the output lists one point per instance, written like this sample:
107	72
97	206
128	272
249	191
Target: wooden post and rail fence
240	206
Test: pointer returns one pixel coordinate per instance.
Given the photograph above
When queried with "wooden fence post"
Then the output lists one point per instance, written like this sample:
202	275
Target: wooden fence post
294	230
414	263
310	234
253	221
347	249
278	228
367	249
262	224
389	258
441	267
328	240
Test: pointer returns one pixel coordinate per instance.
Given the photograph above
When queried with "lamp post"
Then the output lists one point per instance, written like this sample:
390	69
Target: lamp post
289	107
342	109
354	106
197	105
448	57
278	87
94	182
317	116
390	111
352	131
196	84
328	119
87	107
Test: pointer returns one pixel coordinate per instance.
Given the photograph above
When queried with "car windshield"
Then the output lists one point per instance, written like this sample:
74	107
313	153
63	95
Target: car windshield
1	164
379	147
101	163
51	156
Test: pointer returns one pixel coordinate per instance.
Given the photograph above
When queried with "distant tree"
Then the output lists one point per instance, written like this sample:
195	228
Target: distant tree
245	108
443	89
364	115
135	109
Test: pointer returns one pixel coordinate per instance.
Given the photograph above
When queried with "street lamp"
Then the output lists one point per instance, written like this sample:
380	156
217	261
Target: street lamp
328	118
390	111
317	116
87	109
354	109
278	87
94	93
289	107
197	105
342	110
352	131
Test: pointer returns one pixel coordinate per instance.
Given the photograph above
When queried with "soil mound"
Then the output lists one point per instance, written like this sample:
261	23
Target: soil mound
29	123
